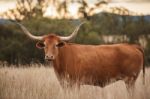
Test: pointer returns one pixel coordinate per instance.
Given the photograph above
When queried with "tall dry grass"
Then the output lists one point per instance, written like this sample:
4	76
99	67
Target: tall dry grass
41	83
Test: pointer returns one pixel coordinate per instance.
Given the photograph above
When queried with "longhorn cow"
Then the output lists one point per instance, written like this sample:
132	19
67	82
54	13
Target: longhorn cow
97	65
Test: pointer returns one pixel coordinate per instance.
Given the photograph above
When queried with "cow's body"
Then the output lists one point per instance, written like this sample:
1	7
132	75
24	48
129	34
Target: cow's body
90	64
98	65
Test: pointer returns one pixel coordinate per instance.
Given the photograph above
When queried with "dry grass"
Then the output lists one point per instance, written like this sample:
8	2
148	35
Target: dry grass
41	83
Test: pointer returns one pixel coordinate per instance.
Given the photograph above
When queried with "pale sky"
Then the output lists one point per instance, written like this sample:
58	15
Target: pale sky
4	6
141	6
130	0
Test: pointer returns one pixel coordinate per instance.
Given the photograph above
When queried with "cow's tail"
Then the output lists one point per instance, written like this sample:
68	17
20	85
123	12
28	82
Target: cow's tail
142	50
143	67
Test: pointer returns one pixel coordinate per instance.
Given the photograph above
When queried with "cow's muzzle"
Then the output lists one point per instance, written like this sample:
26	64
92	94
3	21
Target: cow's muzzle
47	58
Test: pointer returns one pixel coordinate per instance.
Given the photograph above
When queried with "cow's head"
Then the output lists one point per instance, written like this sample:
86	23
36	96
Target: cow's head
51	42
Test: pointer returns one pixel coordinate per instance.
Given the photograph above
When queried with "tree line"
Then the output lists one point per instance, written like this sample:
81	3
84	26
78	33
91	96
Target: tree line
102	28
16	48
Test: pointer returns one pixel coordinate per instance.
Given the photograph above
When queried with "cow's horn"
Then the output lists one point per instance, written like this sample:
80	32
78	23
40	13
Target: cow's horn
29	34
73	34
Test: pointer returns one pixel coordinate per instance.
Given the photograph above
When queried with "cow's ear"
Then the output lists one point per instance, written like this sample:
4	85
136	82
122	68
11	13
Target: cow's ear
40	45
60	44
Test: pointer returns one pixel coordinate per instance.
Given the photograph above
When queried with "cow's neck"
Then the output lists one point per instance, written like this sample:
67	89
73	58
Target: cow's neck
59	62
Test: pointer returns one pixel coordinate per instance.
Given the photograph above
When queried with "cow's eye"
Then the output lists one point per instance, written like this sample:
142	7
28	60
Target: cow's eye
60	44
40	45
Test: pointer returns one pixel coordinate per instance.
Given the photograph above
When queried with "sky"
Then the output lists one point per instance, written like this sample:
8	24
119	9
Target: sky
130	0
6	4
141	6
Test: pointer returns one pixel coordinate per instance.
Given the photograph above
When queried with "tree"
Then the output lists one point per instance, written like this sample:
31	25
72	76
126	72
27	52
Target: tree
26	9
85	9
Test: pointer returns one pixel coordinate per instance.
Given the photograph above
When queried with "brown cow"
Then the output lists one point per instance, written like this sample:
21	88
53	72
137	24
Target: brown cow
96	65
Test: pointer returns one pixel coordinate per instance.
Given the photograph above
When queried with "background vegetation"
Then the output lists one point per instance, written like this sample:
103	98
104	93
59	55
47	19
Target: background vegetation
16	48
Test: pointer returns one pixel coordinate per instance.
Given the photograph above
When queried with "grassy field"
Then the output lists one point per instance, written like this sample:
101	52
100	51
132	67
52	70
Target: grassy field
41	83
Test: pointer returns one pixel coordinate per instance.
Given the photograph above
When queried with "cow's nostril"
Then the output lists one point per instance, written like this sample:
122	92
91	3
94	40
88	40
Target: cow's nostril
52	57
46	57
49	57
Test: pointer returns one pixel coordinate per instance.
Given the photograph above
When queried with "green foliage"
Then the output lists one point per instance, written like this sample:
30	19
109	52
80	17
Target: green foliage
16	48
